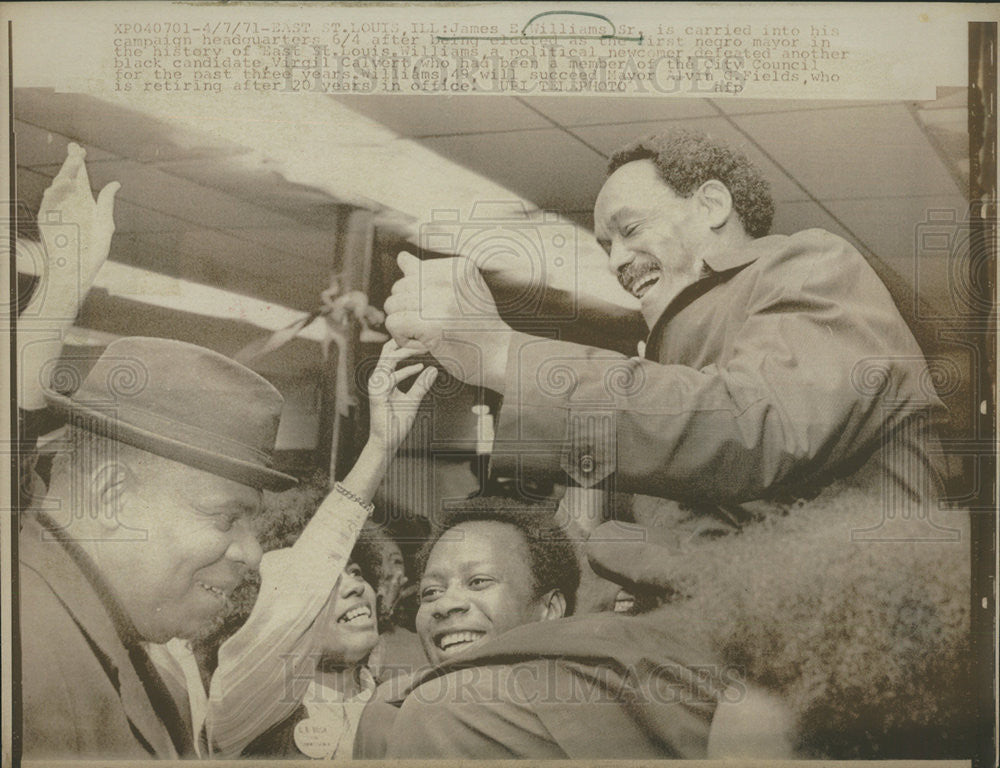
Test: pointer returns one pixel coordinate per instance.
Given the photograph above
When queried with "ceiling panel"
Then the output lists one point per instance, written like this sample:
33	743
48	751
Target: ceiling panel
152	188
610	109
115	129
609	138
792	217
854	152
891	227
547	167
38	146
445	115
948	97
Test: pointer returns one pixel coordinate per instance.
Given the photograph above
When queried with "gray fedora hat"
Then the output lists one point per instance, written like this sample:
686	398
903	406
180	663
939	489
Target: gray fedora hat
185	403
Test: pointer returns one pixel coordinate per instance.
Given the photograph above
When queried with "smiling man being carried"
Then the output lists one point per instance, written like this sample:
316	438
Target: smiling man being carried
776	367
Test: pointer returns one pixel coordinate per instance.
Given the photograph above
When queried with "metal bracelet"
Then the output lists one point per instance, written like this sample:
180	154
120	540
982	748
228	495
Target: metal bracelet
370	506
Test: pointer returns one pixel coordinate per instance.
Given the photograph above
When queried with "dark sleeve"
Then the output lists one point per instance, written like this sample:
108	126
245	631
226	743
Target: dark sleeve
819	366
550	708
377	723
478	712
52	725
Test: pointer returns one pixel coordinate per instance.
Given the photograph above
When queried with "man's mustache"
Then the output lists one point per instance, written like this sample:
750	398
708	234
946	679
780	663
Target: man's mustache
629	273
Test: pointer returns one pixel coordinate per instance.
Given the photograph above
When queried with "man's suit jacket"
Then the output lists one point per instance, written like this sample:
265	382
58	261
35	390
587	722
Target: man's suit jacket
88	687
785	370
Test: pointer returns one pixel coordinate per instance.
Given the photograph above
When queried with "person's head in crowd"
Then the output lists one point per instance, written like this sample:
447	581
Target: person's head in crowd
391	576
865	644
596	593
351	629
159	490
490	566
672	204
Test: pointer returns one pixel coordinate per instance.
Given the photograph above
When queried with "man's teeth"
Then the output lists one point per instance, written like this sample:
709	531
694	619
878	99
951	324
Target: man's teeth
453	639
358	612
220	593
624	605
643	284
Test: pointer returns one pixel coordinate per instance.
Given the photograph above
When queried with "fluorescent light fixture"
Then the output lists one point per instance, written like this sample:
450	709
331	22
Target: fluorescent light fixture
185	296
314	140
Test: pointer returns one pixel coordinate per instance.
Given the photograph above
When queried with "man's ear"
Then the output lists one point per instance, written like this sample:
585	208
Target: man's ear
108	485
553	605
716	202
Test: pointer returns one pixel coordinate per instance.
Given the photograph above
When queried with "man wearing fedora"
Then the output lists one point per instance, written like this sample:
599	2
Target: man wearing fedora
143	528
143	533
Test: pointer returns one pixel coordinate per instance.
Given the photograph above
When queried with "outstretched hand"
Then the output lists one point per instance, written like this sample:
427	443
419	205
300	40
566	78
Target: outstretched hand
393	412
76	231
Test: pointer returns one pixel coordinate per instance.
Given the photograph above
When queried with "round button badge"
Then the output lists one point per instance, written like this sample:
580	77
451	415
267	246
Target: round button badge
318	739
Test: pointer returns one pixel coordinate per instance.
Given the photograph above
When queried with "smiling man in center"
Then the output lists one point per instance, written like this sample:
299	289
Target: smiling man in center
490	571
489	567
660	241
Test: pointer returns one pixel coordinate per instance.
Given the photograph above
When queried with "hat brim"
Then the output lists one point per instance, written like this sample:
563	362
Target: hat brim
245	472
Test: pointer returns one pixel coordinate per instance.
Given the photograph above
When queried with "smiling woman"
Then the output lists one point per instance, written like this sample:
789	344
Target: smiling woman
351	631
323	724
291	681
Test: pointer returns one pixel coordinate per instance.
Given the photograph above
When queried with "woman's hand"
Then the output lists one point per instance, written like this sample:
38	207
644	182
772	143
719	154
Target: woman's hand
393	412
392	416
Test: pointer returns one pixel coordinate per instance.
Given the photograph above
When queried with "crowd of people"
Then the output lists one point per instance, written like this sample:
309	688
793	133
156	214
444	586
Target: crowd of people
724	607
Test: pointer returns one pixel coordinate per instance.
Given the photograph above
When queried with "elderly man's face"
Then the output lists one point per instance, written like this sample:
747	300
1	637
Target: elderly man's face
351	631
182	545
650	234
476	585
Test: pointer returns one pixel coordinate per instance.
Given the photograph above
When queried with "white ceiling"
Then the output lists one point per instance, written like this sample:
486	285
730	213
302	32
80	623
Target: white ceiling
204	208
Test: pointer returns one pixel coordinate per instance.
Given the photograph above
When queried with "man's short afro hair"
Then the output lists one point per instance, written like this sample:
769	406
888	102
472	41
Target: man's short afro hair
552	554
686	159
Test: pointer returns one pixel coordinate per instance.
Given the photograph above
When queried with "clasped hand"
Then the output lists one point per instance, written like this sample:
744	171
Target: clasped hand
444	307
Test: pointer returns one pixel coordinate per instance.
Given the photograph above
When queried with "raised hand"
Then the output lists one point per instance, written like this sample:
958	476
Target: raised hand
76	233
393	412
